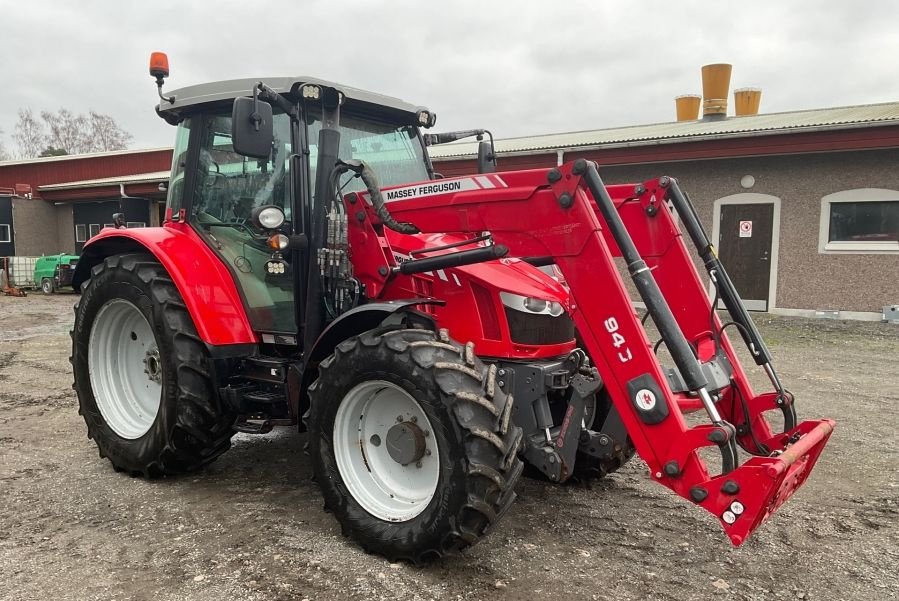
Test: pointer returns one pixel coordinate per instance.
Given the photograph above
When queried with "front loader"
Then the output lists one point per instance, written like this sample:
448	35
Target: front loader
313	271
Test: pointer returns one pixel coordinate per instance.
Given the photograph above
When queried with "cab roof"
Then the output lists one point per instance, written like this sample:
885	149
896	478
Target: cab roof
219	91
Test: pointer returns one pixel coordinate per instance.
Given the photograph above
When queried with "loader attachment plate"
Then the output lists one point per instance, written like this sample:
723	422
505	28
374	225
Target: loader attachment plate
744	498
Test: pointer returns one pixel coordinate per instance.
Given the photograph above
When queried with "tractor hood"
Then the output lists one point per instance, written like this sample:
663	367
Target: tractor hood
508	275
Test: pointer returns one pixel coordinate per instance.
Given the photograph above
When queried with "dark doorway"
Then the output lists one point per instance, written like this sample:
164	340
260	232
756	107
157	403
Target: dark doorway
745	249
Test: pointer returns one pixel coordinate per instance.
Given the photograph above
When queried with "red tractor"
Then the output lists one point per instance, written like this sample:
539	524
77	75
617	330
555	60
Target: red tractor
431	334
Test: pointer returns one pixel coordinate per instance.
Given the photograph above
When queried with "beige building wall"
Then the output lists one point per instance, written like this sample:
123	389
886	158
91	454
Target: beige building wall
65	228
806	279
34	221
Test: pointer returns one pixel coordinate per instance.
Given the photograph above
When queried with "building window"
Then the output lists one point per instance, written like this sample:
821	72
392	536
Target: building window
135	224
4	233
80	233
94	229
865	220
106	225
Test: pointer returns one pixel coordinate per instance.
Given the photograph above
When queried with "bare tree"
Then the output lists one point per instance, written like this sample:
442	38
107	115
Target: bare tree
4	156
67	131
106	133
30	136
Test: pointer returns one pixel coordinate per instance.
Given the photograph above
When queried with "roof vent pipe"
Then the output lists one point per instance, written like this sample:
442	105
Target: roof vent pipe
688	107
715	84
746	101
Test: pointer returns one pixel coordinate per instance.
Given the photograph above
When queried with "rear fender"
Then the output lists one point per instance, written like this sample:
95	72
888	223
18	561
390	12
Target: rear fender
205	284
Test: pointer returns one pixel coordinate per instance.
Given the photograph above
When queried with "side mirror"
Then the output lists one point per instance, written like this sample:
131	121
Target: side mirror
251	128
486	157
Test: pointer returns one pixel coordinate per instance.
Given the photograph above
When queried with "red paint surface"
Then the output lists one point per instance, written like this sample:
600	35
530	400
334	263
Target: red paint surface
204	282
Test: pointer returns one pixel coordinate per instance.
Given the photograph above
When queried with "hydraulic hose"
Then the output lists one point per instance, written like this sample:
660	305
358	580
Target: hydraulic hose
368	177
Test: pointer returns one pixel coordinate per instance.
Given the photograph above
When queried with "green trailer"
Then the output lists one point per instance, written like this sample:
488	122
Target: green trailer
54	272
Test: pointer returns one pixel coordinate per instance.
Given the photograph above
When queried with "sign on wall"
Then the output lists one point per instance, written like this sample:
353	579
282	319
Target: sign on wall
746	229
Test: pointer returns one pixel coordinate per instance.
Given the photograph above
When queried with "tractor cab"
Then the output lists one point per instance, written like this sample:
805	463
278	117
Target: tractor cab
219	192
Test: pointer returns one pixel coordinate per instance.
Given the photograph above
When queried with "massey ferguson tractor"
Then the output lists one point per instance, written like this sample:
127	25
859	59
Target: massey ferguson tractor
432	335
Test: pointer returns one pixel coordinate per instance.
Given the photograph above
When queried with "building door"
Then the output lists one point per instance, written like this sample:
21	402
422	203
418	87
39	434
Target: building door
744	244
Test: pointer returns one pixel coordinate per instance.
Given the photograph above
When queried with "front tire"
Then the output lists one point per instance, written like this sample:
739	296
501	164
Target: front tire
142	375
47	286
411	443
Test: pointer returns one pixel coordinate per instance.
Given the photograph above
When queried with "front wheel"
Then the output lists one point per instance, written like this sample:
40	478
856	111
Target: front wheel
411	443
47	286
142	374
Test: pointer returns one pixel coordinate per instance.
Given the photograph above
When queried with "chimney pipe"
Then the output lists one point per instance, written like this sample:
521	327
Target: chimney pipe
688	107
715	83
746	101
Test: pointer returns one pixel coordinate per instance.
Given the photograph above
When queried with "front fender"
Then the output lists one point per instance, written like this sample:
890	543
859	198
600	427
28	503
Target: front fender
205	284
361	319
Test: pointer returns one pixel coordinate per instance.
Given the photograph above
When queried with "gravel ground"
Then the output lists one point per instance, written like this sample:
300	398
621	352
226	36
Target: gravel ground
251	525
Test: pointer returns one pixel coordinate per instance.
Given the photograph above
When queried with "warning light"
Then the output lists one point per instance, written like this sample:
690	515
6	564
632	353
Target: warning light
159	65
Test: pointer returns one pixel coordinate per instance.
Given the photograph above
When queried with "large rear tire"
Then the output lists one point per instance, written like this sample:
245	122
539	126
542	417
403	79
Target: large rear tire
411	443
142	375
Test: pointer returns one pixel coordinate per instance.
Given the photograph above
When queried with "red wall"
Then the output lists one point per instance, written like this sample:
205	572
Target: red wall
42	172
757	145
513	163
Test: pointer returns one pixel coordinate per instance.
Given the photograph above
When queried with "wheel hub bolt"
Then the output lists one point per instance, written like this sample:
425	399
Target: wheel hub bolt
406	443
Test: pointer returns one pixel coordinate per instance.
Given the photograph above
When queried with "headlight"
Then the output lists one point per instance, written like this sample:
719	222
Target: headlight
535	305
268	217
278	242
531	305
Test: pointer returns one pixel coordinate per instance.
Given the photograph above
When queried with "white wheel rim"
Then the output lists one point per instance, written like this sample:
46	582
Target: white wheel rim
384	487
125	368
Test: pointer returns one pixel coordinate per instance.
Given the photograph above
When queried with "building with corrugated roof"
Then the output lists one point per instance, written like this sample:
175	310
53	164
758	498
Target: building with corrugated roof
50	205
803	205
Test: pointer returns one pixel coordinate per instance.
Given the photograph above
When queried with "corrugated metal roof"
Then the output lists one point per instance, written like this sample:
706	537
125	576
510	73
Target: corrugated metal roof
139	178
868	115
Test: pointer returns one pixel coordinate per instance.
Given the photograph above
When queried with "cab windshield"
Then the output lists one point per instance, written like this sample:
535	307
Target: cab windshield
394	152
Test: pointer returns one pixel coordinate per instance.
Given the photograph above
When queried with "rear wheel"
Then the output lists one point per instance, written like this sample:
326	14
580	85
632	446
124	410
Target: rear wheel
142	374
411	443
47	286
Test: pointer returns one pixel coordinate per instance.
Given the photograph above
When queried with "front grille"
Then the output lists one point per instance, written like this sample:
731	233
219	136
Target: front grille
535	328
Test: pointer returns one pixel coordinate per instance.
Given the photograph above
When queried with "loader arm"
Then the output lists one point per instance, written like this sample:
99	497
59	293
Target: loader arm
568	214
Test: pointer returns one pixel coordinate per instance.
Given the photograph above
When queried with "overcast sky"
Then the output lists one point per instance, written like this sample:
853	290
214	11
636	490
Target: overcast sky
517	67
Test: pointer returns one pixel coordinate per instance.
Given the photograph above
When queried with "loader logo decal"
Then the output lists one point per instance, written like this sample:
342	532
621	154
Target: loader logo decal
462	184
645	399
